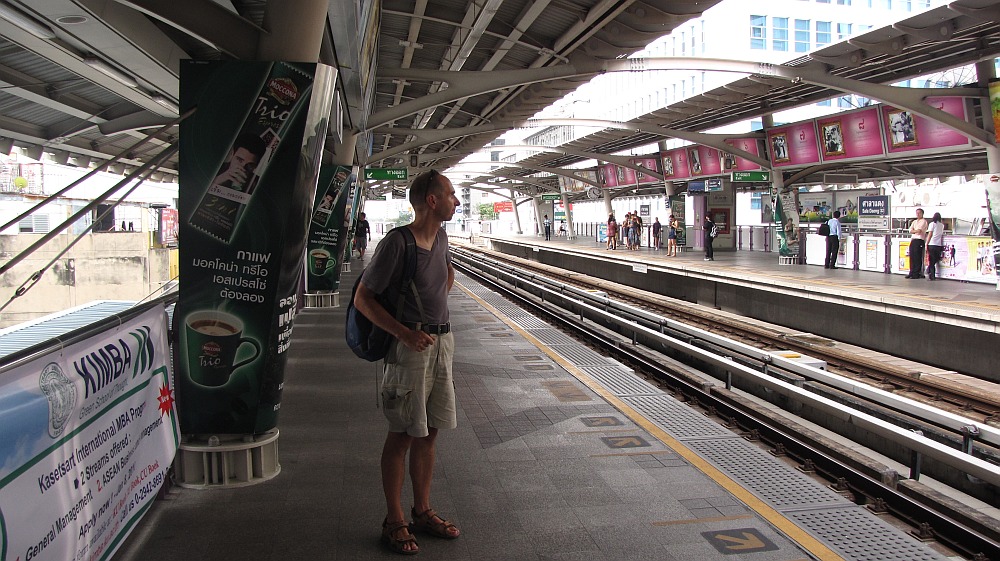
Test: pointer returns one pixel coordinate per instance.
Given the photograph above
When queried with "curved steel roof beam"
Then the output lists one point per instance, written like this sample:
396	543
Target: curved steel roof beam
553	171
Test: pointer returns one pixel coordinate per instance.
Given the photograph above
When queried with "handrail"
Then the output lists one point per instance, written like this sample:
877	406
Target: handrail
22	356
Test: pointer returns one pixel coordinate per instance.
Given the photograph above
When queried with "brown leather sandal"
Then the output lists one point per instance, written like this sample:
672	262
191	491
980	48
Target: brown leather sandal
391	536
428	521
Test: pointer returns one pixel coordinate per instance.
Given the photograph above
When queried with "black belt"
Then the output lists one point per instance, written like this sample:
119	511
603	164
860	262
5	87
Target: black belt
431	328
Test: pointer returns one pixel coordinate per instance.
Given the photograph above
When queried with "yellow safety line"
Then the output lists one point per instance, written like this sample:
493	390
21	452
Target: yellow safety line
778	520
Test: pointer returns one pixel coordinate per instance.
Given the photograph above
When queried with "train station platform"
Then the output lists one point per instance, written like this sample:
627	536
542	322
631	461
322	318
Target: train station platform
924	321
559	453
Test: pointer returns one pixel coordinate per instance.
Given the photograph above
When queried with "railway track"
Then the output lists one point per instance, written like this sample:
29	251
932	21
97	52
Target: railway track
935	410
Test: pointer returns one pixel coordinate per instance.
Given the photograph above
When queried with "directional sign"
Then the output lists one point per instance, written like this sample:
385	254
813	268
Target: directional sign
551	197
624	441
741	540
386	173
751	176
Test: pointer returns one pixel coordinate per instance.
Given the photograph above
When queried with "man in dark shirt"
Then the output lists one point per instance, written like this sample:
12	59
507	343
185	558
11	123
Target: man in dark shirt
418	392
362	235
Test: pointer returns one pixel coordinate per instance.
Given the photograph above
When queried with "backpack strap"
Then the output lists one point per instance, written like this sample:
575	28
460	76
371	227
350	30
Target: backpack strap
409	271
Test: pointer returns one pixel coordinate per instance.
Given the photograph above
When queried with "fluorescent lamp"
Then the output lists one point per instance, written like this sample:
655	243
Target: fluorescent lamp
106	69
27	23
161	100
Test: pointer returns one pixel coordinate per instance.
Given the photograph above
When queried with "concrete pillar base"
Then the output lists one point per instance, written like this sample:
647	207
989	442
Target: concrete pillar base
323	300
226	461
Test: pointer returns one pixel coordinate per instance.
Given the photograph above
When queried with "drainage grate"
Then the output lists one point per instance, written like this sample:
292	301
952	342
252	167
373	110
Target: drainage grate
620	381
678	419
762	474
859	535
531	322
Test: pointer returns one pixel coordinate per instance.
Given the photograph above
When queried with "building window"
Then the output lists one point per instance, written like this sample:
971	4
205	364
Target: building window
844	101
848	2
887	4
802	35
824	103
906	5
684	44
823	33
843	31
758	32
702	36
755	201
822	1
780	41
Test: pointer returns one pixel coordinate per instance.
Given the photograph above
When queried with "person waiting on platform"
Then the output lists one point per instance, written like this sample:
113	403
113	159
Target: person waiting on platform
918	231
935	245
672	227
562	228
832	241
711	231
657	227
612	232
418	389
548	227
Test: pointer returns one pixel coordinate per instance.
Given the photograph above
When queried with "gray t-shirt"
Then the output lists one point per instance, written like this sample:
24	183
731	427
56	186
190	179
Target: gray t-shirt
431	278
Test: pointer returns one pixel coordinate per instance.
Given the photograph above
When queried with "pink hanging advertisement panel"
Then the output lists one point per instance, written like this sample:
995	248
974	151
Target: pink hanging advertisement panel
675	164
793	145
703	160
909	132
731	162
854	135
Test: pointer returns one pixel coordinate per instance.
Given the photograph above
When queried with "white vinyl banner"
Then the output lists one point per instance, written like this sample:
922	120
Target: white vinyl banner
87	433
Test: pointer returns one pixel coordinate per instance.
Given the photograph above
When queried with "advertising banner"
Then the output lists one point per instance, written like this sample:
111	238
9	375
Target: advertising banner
703	160
649	163
167	224
793	145
503	206
853	135
322	265
730	162
351	217
994	88
787	218
571	185
613	175
968	258
249	168
89	431
675	164
908	132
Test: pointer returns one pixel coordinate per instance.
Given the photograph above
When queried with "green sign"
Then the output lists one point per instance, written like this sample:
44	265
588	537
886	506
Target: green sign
751	176
551	197
386	173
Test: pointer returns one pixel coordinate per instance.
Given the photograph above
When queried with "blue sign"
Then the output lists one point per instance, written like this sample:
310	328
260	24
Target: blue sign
873	206
696	186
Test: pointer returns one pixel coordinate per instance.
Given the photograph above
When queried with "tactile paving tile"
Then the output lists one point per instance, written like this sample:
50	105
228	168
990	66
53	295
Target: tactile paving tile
776	482
531	322
678	419
859	535
621	381
582	356
553	337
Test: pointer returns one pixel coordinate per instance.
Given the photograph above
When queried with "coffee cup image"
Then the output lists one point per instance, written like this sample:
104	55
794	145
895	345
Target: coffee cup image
320	262
213	340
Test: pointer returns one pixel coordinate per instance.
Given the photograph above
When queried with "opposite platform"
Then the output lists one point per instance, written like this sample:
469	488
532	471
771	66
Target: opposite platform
559	454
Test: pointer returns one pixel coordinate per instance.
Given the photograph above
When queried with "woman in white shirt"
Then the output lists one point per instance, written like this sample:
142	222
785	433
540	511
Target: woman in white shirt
935	245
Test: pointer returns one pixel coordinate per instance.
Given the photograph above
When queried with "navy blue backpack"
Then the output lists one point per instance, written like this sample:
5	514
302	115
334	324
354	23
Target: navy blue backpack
366	339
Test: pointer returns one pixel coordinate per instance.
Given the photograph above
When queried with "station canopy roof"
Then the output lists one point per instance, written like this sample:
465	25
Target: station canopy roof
85	79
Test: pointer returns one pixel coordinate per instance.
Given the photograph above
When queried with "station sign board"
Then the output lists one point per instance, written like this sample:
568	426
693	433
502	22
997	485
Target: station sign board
551	197
386	173
751	176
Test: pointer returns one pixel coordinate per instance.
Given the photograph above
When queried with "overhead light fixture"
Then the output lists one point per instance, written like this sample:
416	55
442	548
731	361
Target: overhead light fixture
161	100
60	157
108	70
25	22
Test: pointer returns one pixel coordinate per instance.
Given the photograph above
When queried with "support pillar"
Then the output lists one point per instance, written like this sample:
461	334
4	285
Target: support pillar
517	215
536	204
986	71
570	229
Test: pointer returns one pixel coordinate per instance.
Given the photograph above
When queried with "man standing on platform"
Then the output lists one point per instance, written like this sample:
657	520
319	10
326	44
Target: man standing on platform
711	231
548	227
832	241
918	231
362	235
418	392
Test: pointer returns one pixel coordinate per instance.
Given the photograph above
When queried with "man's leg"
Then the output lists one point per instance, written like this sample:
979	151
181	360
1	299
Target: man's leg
394	472
422	473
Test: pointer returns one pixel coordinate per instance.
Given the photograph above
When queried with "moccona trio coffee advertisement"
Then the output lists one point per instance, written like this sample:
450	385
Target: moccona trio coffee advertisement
327	229
249	165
